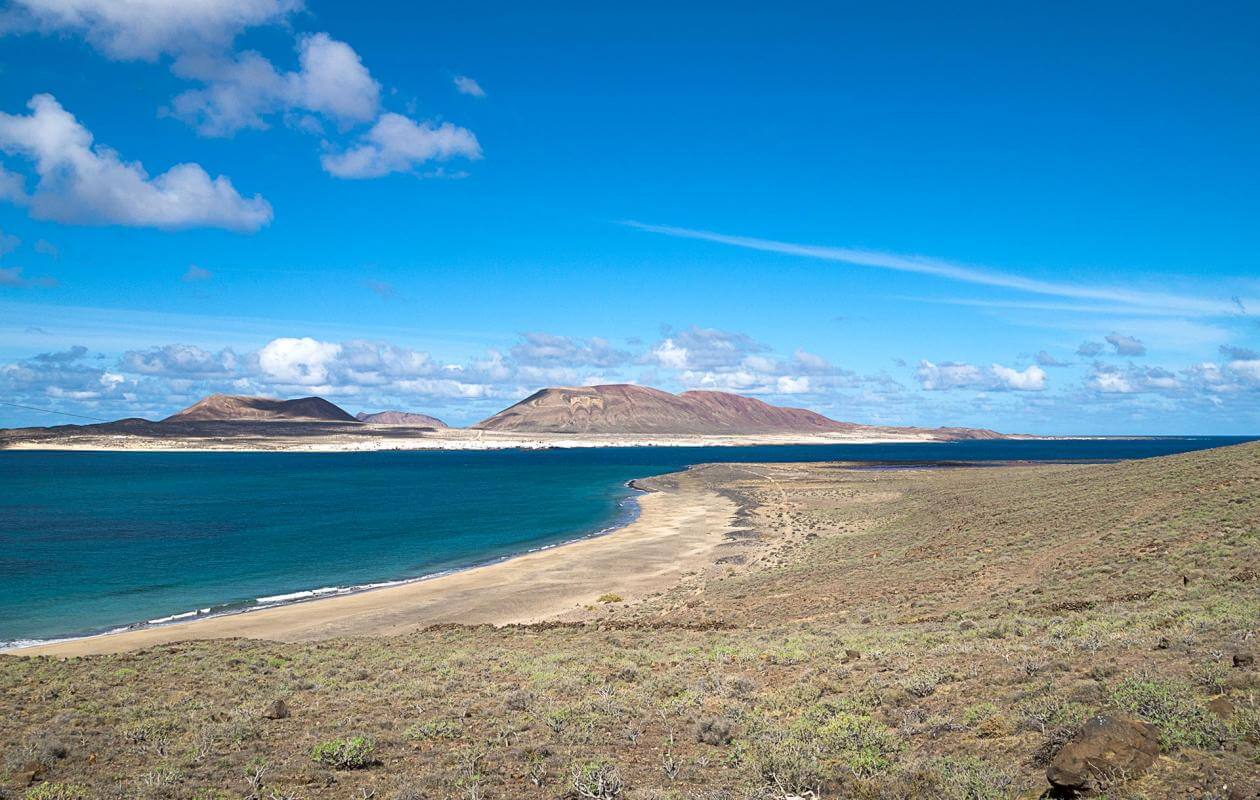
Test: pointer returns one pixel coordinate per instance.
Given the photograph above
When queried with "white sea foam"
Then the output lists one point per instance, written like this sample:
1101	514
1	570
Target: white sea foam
270	601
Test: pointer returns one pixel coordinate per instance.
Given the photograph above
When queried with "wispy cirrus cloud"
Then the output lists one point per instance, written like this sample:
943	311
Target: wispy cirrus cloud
1150	302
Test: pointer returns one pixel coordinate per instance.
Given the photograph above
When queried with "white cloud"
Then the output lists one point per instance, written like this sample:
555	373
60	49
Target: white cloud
79	182
1247	369
468	86
670	355
955	375
1110	379
179	360
145	29
304	361
539	348
1151	301
950	375
241	91
1032	379
398	144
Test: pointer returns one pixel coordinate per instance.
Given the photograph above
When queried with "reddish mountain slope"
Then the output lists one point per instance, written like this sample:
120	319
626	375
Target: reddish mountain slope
230	408
623	408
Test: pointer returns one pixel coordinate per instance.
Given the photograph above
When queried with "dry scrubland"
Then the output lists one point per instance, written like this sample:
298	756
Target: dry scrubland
919	634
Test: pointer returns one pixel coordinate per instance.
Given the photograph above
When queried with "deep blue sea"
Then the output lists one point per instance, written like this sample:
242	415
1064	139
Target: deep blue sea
94	541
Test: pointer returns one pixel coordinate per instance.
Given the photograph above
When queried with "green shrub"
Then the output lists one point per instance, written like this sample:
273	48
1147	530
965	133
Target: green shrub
596	780
356	752
1173	708
57	791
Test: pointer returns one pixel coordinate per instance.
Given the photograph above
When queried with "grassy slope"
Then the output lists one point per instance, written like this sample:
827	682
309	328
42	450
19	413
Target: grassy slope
994	610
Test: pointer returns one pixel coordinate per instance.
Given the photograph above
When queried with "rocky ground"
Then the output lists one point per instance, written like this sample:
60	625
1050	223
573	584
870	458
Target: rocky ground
889	634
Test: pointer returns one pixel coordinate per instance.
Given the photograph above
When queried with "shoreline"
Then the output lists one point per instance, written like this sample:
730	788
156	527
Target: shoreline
628	512
672	532
388	444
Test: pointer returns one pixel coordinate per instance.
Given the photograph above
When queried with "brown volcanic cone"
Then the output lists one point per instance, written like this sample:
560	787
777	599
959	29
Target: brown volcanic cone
229	408
400	418
624	408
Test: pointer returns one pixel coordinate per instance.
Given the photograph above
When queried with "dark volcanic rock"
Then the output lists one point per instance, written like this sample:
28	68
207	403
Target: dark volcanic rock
277	710
1108	747
1244	660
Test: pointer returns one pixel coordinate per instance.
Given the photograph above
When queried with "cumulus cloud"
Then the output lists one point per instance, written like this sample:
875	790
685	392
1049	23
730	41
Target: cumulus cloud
956	375
8	243
180	360
949	375
468	86
1030	379
61	376
85	183
1238	353
1089	349
398	144
242	91
1110	379
301	362
146	29
704	348
74	353
539	348
47	248
1126	345
708	358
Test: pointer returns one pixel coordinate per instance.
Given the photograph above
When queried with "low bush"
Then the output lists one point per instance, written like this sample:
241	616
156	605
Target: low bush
356	752
57	791
1172	707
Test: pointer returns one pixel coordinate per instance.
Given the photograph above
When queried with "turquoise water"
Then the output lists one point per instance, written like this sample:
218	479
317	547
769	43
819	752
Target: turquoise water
94	541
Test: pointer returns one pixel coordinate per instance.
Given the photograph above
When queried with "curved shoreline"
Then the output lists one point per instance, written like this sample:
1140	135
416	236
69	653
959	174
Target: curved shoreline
622	519
673	532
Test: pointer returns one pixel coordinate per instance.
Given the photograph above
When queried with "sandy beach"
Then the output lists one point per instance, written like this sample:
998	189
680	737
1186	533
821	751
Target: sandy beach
377	438
682	521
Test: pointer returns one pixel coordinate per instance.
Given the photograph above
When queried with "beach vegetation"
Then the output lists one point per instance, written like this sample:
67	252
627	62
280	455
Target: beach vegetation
58	791
1172	706
596	779
356	752
609	597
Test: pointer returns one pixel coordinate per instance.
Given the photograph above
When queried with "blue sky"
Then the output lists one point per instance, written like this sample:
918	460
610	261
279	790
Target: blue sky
1034	219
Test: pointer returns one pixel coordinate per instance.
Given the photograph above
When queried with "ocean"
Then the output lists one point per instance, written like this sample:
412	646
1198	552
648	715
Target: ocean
91	542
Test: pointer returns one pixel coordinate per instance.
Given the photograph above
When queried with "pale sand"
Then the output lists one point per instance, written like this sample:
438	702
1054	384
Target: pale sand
380	439
676	532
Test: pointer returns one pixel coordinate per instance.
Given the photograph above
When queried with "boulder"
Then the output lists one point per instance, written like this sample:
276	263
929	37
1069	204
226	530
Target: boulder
1244	660
1110	746
277	710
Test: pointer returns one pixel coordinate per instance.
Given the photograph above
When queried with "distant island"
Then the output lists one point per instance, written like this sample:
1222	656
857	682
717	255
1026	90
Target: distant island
584	416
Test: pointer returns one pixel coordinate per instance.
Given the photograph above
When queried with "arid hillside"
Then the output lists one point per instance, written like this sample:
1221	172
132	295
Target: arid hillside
400	418
231	408
623	408
871	633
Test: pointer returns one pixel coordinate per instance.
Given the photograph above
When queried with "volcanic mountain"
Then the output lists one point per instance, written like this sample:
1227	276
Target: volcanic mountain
624	408
400	418
234	408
